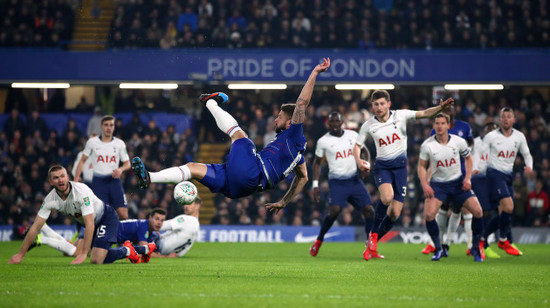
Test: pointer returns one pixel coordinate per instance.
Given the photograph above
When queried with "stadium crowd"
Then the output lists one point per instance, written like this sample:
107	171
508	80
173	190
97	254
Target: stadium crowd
29	147
36	23
369	24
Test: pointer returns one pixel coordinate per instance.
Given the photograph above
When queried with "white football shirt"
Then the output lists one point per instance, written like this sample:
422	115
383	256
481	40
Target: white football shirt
504	150
105	156
480	155
81	201
181	233
87	172
390	137
444	159
339	154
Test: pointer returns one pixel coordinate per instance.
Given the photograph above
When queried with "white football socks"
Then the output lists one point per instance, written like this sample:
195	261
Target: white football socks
454	221
49	232
441	219
62	245
226	123
468	227
171	175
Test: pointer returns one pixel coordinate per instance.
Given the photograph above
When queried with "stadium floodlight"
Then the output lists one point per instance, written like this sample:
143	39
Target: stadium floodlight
474	87
41	85
163	86
257	86
364	86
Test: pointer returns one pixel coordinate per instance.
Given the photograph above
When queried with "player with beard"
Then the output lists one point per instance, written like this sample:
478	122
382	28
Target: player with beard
246	171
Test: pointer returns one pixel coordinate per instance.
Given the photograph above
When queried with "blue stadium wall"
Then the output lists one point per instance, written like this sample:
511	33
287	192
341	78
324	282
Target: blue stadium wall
291	66
308	234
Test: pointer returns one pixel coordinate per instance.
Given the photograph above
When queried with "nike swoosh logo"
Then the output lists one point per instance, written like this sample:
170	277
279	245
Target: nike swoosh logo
300	238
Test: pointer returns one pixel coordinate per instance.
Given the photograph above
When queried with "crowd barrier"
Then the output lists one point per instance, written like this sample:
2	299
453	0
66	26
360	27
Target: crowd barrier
308	234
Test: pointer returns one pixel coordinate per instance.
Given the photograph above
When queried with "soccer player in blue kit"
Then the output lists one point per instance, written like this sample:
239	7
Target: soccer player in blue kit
246	171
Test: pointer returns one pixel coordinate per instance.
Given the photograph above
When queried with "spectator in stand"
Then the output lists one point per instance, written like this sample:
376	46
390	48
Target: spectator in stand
94	124
14	123
188	17
538	206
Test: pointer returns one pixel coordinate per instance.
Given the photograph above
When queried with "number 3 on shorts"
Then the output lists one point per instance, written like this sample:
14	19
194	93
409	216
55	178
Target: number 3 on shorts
404	191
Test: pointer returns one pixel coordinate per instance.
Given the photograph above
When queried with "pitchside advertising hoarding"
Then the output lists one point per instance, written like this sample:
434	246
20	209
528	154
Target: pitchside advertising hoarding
274	65
280	234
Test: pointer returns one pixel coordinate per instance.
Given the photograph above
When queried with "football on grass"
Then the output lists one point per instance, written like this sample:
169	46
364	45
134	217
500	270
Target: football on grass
185	193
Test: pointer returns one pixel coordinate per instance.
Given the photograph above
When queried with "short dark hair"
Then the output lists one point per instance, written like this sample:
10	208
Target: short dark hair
157	210
107	118
53	169
288	109
380	94
335	114
490	125
443	115
198	200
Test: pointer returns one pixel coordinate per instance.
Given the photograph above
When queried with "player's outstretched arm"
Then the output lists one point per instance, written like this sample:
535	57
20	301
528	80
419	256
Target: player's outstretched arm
430	112
296	186
29	238
299	115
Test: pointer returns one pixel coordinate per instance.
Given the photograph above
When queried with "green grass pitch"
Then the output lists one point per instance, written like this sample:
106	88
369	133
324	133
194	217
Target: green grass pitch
279	275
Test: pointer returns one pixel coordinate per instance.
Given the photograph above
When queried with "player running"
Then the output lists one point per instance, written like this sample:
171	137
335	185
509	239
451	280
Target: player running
503	145
449	225
345	184
388	128
480	156
443	152
246	171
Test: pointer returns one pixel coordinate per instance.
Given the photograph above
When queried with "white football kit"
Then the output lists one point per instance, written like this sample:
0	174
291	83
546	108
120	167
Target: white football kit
81	201
444	159
480	155
390	137
105	156
339	154
503	150
181	233
87	171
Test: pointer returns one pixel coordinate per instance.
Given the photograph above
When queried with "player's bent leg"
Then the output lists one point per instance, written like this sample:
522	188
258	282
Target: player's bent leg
474	207
386	193
98	255
174	175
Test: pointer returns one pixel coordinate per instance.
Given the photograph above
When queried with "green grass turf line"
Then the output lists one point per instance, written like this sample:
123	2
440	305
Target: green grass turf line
279	275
